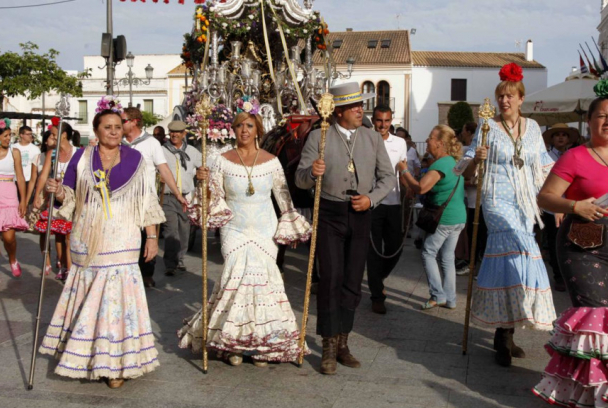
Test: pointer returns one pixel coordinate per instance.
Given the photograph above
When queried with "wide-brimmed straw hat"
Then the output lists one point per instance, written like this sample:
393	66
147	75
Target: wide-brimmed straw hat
573	133
345	94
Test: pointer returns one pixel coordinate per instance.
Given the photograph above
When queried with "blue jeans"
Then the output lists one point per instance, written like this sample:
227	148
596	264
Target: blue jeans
443	244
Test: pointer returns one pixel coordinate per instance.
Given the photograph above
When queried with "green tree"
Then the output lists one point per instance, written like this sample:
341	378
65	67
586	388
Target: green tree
459	114
150	119
31	74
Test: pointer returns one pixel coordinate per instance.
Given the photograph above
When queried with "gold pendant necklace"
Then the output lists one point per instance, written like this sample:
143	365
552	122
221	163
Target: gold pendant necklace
517	160
109	170
351	162
250	189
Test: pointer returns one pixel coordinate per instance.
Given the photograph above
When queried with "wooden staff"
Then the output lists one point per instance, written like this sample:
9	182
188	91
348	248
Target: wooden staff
326	107
487	111
160	190
203	108
62	110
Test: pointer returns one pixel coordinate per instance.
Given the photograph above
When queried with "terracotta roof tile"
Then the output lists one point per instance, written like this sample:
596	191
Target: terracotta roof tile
471	59
354	43
180	69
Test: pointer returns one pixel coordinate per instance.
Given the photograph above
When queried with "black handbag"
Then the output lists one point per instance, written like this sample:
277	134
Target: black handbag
430	215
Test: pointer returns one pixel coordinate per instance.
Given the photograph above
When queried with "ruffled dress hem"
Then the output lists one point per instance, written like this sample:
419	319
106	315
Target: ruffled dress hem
577	375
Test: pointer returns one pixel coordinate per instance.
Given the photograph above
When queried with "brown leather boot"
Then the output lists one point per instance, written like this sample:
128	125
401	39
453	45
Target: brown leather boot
503	341
344	356
328	360
516	351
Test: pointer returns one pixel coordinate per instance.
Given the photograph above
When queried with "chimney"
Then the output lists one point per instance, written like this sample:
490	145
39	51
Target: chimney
349	30
529	51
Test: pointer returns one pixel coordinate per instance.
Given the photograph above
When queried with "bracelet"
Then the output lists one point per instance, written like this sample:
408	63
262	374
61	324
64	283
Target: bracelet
404	171
151	236
573	207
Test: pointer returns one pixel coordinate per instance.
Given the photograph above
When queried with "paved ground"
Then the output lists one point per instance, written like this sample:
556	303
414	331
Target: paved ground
410	358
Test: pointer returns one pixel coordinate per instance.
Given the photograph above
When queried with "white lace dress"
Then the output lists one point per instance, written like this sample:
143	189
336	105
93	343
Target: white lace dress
248	310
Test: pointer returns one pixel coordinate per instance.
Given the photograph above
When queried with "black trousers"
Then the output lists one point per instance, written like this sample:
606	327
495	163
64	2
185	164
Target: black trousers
387	237
550	232
147	268
343	241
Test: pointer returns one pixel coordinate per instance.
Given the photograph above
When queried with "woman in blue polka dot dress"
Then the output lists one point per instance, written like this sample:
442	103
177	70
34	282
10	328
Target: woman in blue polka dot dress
513	287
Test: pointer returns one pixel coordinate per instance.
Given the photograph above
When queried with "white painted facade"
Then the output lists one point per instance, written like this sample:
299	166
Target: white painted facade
398	77
432	85
165	90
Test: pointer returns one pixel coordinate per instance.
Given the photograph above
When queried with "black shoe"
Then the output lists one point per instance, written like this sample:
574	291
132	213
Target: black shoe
170	272
181	266
149	282
378	306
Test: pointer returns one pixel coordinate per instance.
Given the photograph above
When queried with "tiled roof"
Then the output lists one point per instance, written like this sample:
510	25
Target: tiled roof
180	69
355	44
471	59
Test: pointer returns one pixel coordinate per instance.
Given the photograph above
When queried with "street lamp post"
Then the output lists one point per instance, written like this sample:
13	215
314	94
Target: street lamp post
350	62
131	79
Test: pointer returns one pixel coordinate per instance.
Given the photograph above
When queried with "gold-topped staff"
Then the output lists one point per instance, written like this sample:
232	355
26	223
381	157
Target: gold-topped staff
203	108
487	111
160	191
62	111
326	108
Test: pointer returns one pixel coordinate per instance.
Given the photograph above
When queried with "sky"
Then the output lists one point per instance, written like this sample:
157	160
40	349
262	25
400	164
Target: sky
555	26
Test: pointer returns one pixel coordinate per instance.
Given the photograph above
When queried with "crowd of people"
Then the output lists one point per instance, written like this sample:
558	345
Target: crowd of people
108	209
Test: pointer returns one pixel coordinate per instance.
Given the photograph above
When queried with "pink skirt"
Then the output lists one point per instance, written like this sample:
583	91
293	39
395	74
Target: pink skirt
61	227
9	207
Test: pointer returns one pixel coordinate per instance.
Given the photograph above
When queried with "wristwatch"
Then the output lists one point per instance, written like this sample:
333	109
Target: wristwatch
404	171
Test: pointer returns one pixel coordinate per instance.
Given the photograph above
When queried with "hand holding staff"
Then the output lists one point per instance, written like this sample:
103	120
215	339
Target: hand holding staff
486	112
326	107
62	110
203	108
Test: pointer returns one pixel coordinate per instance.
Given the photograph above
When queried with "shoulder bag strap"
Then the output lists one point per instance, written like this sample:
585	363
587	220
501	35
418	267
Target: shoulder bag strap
444	205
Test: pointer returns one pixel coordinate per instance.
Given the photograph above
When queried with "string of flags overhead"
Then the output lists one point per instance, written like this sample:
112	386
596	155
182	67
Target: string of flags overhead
594	68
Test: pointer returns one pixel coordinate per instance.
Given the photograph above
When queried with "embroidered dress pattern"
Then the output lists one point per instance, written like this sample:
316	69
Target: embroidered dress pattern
249	310
101	325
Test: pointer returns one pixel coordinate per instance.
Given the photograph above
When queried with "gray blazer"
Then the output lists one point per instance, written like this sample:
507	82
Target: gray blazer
374	177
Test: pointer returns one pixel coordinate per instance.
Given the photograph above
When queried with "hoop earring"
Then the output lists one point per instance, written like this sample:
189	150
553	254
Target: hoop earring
257	145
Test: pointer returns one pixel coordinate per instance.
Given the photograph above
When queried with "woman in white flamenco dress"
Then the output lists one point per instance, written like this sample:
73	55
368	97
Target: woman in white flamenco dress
249	313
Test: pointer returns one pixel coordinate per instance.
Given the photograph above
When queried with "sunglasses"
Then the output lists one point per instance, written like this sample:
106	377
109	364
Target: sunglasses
126	121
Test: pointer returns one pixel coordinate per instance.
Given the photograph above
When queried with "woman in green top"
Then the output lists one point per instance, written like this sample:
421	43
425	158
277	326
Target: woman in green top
438	184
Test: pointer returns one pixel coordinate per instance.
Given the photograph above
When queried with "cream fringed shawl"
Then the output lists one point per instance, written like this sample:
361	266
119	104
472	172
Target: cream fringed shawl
133	203
527	181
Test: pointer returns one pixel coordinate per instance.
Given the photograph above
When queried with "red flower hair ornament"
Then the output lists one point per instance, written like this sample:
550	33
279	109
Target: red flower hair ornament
511	72
55	121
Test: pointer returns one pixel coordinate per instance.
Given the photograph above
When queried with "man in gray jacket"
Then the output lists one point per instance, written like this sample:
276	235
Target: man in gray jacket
357	175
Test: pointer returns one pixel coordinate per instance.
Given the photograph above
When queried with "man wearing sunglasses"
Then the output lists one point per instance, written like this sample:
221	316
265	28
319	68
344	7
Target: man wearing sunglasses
155	160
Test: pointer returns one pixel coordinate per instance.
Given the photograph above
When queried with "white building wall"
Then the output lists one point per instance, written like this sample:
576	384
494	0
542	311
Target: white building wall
431	85
396	76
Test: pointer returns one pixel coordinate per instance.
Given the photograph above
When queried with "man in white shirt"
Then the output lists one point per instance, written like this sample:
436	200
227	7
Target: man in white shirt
183	160
413	161
29	151
386	234
154	157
